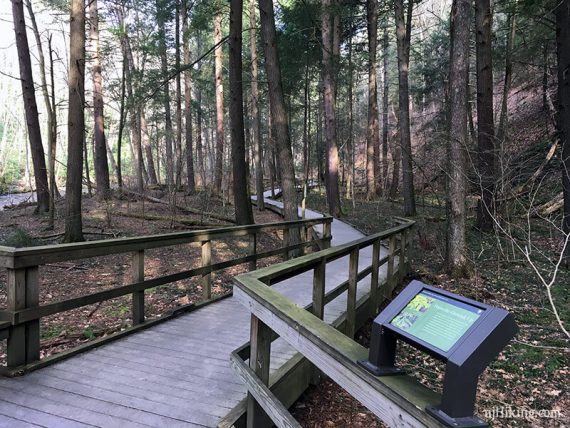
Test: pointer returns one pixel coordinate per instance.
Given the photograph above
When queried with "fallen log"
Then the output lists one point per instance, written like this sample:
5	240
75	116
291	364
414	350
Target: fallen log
152	217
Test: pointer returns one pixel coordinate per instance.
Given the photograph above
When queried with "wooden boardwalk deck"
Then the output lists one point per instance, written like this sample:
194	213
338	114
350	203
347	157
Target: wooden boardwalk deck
174	374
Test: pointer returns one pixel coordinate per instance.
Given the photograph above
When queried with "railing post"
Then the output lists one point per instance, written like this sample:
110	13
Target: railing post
390	279
402	258
137	275
206	278
23	339
253	250
319	290
327	234
259	359
286	241
351	294
375	275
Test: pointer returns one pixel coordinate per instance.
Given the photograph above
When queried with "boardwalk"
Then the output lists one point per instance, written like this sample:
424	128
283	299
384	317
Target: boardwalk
174	374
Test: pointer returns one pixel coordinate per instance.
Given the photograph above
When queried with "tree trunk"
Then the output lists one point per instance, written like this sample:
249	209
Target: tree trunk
166	95
485	125
52	135
100	160
563	55
178	98
281	136
31	108
121	123
75	123
329	84
502	134
403	37
218	167
457	263
145	137
255	119
385	106
191	184
50	109
242	201
372	131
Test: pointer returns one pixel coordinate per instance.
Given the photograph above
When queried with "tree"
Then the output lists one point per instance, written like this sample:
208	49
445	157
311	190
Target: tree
458	138
178	81
373	129
241	197
403	37
75	123
218	167
385	100
31	107
563	56
329	88
191	184
101	164
281	136
255	115
485	125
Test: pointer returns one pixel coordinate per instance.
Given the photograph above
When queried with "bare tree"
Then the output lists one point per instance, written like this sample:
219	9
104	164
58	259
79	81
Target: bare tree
242	202
101	163
191	184
563	54
31	107
457	262
373	130
218	167
329	87
485	125
280	125
75	123
403	37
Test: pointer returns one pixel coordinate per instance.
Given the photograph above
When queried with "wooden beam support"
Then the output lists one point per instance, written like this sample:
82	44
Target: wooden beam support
137	275
259	362
351	294
390	274
374	301
206	278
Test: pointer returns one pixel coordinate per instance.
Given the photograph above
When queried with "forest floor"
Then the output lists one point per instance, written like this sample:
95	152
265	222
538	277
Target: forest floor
124	217
531	373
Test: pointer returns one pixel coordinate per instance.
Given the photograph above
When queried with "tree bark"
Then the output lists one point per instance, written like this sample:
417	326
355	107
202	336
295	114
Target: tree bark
329	86
166	95
121	123
31	107
385	106
458	138
502	133
101	162
255	119
280	132
50	110
178	97
190	182
147	146
218	167
75	123
372	131
563	56
485	125
242	201
403	37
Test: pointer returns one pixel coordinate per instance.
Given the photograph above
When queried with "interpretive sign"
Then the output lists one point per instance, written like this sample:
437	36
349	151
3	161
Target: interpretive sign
464	333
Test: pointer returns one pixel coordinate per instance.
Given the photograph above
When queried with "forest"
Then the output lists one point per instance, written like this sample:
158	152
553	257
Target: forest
122	118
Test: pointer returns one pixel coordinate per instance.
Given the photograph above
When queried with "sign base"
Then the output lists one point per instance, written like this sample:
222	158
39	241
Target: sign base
382	370
465	422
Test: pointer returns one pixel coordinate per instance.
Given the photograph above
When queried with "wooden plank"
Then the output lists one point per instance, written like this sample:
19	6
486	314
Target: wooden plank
399	401
351	294
390	274
374	279
137	275
259	363
207	278
33	326
16	299
279	415
319	277
35	256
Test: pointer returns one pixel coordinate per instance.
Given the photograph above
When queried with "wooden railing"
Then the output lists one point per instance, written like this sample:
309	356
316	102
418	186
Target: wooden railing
20	321
397	400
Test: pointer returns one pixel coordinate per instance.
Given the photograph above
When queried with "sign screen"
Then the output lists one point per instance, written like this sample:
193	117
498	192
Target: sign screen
436	319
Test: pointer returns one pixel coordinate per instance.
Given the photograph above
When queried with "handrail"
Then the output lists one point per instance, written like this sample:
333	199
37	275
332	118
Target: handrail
23	312
335	354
